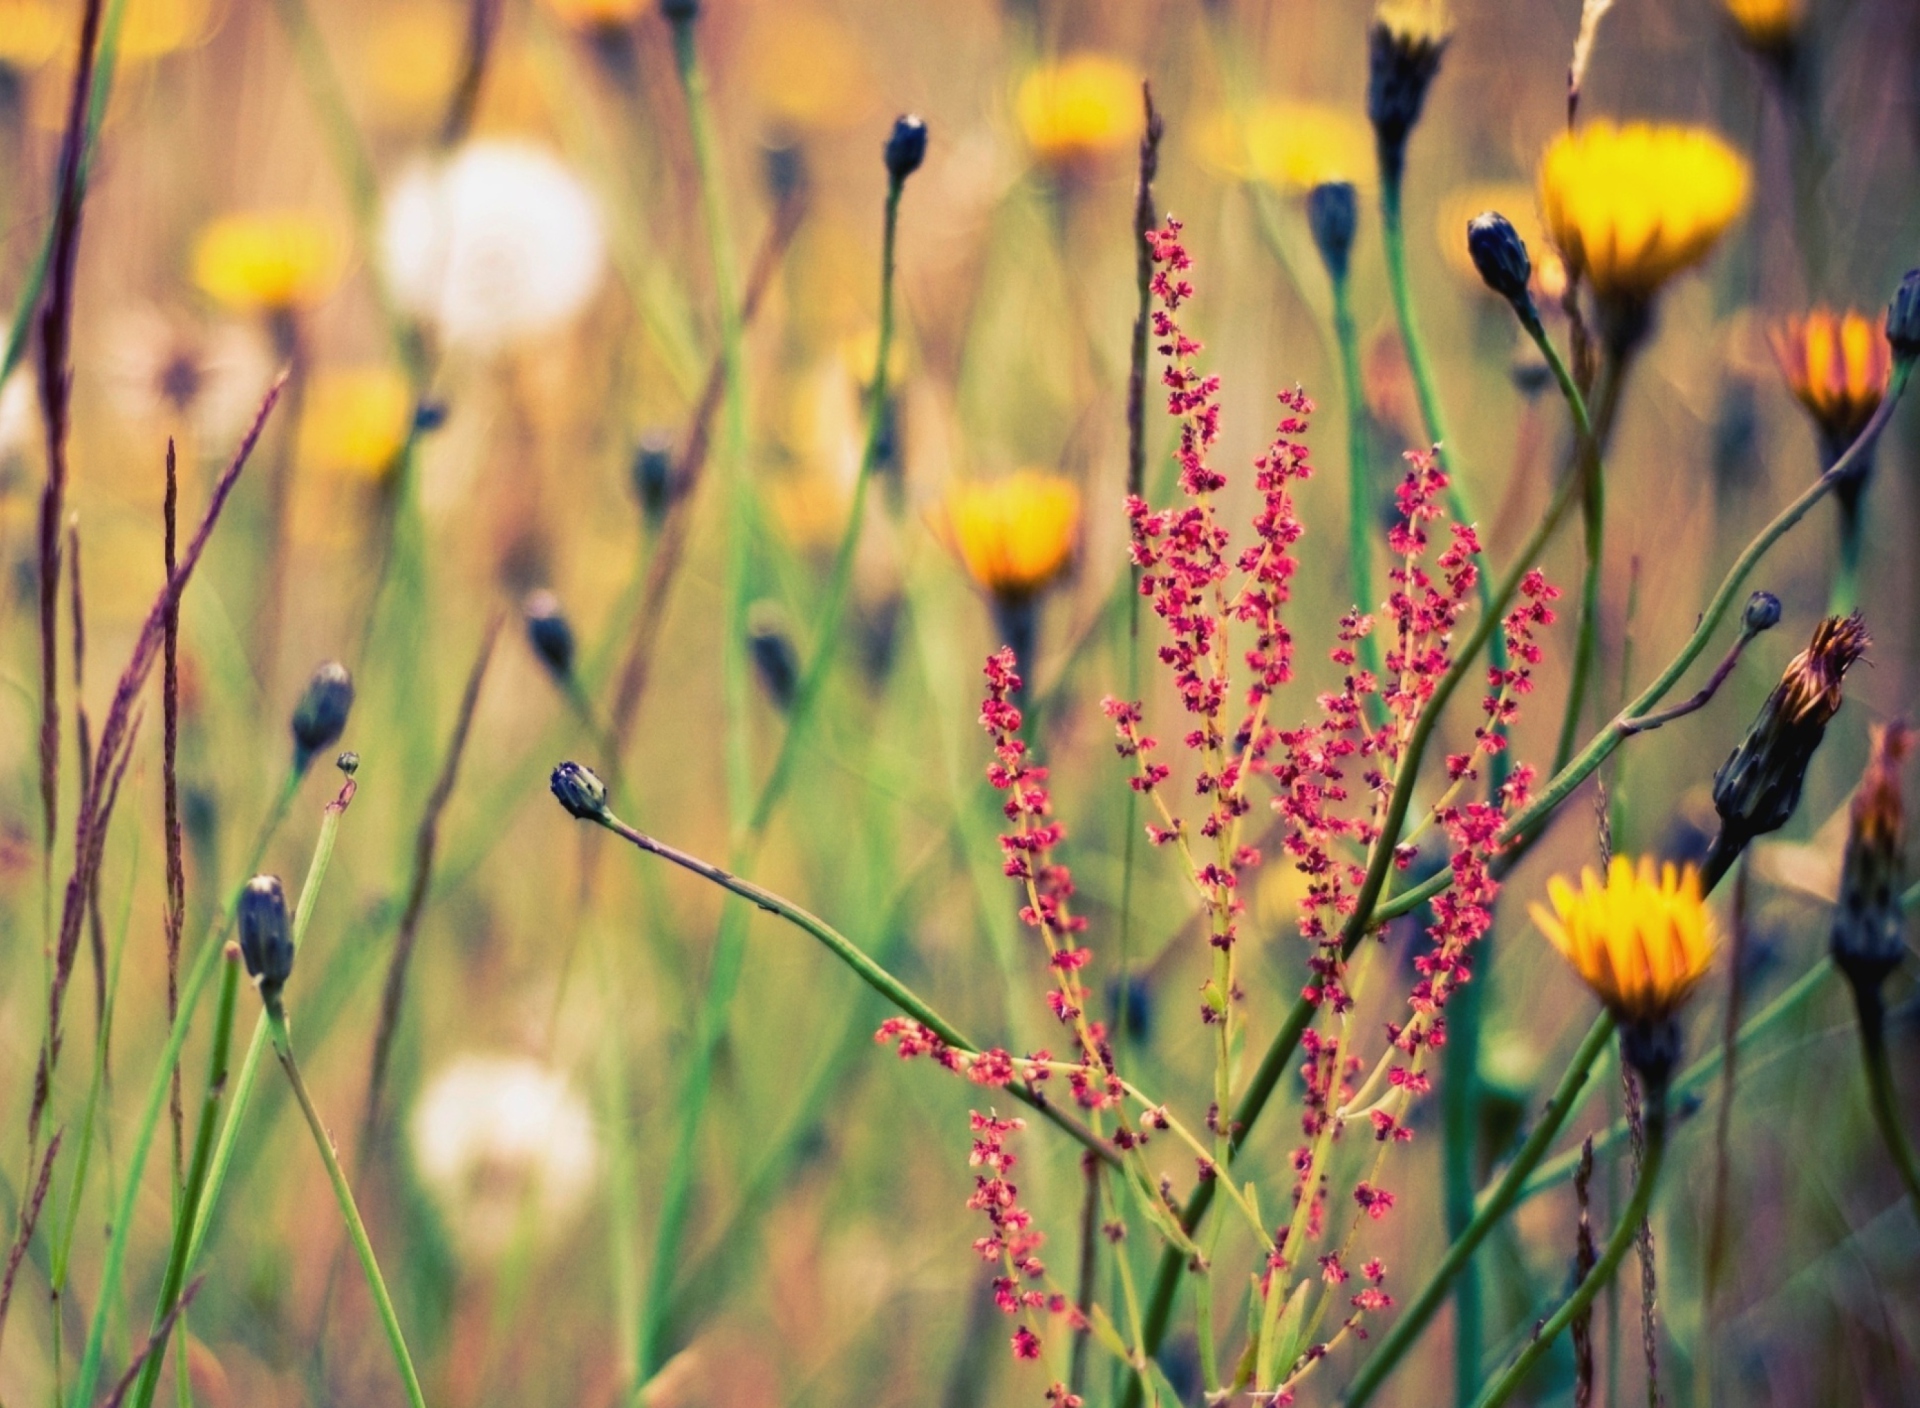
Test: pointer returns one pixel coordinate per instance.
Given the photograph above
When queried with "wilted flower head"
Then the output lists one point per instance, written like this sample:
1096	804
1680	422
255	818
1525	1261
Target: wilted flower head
1630	206
1758	786
1015	534
1642	941
503	1143
268	261
355	421
1403	54
1869	922
1079	108
499	242
1768	27
1837	366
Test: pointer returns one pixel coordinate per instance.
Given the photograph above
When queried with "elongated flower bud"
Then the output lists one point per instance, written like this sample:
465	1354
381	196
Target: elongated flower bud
775	659
1501	257
1903	317
265	943
549	633
1758	786
1762	613
906	146
580	791
1868	922
321	715
1333	214
653	475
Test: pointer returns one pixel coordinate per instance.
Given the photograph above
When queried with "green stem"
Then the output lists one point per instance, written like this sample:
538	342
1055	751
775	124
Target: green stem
1880	1093
1360	504
1413	1319
356	1229
1595	1280
1592	436
176	1273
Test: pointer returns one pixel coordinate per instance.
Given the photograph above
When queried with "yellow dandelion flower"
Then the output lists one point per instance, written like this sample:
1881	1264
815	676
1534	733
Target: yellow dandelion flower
272	261
1632	205
31	32
1642	941
1769	26
1837	366
356	421
1080	108
1014	535
1291	146
412	60
597	14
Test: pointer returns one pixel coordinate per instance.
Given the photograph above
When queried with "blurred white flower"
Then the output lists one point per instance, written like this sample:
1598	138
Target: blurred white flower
156	365
19	415
499	242
500	1138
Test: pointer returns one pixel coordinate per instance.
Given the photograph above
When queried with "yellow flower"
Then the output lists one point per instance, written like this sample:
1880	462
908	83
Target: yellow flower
268	262
154	28
1291	146
807	70
1014	535
1837	365
1769	26
34	31
597	14
1631	206
1079	108
30	32
412	60
356	421
1641	942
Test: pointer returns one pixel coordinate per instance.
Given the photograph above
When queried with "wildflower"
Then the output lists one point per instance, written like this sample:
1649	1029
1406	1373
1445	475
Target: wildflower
31	32
412	60
1015	535
1837	366
321	715
356	421
1500	256
1758	786
1771	28
155	28
1632	205
1404	47
1289	145
1077	110
1332	214
549	633
1903	318
1641	942
580	791
161	366
596	15
268	262
502	1144
264	941
498	243
653	475
807	68
906	146
1869	922
775	660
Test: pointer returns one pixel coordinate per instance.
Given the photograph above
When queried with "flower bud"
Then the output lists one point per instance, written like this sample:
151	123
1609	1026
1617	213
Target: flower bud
1333	213
906	146
1868	922
1758	786
775	659
1762	613
784	167
264	940
321	715
549	633
580	791
1501	257
680	11
1403	54
653	475
348	763
1903	318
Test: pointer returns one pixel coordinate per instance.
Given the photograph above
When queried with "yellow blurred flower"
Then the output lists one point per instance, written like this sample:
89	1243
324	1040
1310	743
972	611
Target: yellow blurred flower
31	31
1768	26
807	69
1415	21
1079	108
1837	365
1632	205
355	421
154	28
1291	146
596	14
1642	941
1519	204
1016	534
413	59
269	261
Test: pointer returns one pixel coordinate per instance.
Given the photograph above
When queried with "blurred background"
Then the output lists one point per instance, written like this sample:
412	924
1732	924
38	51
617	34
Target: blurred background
274	185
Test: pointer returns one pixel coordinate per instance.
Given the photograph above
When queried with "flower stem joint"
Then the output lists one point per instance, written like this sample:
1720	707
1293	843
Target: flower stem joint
1333	213
1501	256
906	146
580	791
264	941
1404	48
321	715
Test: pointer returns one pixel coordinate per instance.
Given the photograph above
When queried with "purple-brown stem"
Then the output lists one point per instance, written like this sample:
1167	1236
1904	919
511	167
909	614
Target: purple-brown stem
176	917
159	1337
29	1215
483	23
83	738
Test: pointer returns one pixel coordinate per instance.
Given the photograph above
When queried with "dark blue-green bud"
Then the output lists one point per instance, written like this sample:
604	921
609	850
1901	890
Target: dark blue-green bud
1903	317
580	791
653	475
549	633
321	715
1501	257
1762	613
775	659
1333	214
906	146
265	943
